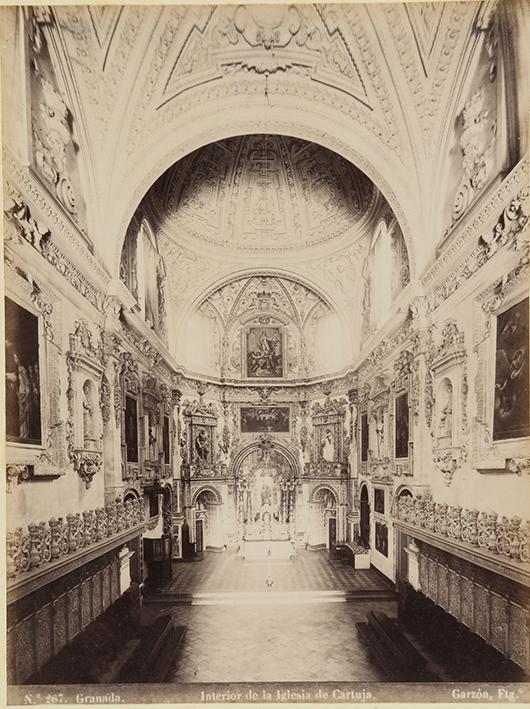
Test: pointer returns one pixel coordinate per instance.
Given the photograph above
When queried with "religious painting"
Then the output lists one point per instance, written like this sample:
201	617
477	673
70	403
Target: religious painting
511	403
23	391
379	501
264	419
401	440
165	440
364	437
381	538
264	352
131	429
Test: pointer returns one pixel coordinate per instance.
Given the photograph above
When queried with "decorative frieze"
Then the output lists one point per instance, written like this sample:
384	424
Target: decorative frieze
39	236
485	530
46	542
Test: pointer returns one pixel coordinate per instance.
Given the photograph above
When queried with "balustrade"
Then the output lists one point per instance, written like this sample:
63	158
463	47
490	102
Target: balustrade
508	537
46	542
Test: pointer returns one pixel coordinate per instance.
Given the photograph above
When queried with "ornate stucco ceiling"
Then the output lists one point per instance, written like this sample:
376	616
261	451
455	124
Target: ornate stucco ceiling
262	193
377	83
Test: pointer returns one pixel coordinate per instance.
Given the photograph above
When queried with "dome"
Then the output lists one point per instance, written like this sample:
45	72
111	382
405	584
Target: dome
263	193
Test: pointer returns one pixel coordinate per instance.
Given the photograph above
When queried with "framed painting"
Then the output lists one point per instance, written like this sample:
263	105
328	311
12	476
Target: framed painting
264	352
264	419
364	437
22	375
165	441
511	402
381	538
401	439
379	501
131	429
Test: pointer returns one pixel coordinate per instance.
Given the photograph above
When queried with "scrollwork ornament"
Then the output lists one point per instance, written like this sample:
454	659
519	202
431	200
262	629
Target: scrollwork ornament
45	309
16	473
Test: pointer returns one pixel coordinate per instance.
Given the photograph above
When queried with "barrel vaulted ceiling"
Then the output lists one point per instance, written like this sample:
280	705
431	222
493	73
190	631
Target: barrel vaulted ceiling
209	103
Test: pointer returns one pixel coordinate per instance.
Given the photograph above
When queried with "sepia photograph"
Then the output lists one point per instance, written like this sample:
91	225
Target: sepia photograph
266	323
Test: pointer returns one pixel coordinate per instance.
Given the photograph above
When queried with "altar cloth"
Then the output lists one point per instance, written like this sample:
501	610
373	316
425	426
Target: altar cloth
264	549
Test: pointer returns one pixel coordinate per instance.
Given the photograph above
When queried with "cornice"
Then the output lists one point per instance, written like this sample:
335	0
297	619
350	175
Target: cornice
470	232
71	239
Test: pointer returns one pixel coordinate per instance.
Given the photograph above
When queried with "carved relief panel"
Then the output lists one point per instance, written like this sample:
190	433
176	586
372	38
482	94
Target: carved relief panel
85	424
201	444
448	377
55	148
330	441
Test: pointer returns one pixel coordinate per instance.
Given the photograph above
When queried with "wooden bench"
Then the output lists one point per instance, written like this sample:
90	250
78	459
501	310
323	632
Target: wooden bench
392	651
155	654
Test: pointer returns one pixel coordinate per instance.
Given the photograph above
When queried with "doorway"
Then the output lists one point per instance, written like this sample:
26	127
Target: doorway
199	536
332	532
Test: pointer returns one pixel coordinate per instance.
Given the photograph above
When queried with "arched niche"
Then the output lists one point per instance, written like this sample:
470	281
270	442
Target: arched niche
207	528
265	486
364	524
323	517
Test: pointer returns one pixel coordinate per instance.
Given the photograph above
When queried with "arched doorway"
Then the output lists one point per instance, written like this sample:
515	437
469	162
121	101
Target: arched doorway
265	493
323	522
402	540
207	521
365	517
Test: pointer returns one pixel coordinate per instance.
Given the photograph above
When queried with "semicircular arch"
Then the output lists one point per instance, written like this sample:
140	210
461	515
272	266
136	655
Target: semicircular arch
323	487
206	488
381	166
283	450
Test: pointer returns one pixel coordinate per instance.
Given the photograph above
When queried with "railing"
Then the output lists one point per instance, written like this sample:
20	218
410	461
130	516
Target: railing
46	542
508	537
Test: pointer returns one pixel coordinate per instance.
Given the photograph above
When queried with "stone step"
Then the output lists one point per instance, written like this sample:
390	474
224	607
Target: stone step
268	597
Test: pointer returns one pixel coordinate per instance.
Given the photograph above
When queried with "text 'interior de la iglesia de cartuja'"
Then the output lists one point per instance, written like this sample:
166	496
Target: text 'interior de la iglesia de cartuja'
266	344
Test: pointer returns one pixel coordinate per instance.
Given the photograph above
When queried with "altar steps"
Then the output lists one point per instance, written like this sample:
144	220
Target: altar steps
245	598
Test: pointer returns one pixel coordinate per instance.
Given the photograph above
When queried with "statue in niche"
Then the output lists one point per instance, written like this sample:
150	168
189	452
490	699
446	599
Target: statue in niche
89	424
151	437
328	447
380	433
201	445
266	495
445	418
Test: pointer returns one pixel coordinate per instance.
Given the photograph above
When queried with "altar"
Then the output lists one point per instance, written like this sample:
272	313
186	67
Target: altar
266	549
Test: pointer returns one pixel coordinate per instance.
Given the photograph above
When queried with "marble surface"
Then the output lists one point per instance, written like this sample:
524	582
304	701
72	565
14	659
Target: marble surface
281	643
310	571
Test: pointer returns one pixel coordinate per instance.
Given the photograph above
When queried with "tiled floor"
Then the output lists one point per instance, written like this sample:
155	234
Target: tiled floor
281	643
292	641
310	571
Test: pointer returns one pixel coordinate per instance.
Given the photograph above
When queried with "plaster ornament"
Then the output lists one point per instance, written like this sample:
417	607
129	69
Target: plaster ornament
271	193
477	142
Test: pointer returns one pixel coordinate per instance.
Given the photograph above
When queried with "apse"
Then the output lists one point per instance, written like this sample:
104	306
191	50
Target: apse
290	234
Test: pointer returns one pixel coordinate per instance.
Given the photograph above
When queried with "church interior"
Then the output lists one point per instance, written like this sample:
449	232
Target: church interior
266	343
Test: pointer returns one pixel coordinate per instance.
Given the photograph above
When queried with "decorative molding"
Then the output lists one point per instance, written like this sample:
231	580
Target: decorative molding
17	474
84	430
23	191
477	143
447	460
